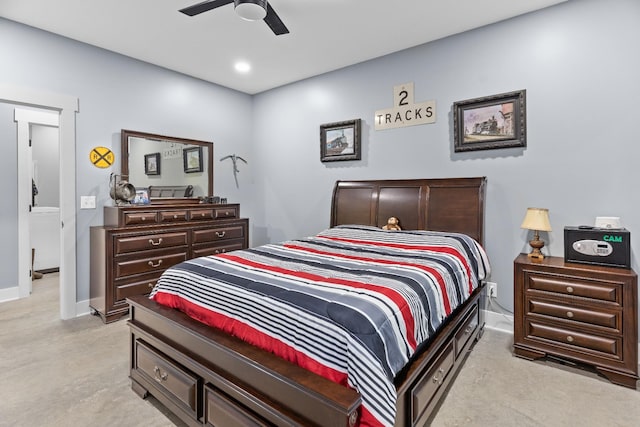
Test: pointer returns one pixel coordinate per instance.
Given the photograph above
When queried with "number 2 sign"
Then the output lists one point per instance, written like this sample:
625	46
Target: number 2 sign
405	111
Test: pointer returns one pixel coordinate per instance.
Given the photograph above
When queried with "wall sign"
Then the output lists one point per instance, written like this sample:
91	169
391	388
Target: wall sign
405	112
101	157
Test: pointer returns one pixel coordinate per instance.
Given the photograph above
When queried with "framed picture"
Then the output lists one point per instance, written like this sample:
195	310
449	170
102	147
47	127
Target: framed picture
152	164
340	141
192	159
497	121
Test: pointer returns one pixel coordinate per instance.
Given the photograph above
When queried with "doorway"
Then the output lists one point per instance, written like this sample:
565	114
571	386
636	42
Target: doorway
65	107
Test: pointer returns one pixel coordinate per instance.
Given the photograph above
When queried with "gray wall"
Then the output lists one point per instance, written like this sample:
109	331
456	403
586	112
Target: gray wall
114	92
578	62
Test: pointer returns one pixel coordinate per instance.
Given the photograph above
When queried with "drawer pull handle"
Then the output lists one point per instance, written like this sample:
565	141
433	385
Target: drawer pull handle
175	216
570	289
155	265
226	213
143	218
202	214
220	251
569	314
159	375
220	235
156	243
468	330
150	285
437	378
569	338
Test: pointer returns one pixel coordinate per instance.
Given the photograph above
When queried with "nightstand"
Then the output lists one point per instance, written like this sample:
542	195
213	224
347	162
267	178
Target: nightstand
579	312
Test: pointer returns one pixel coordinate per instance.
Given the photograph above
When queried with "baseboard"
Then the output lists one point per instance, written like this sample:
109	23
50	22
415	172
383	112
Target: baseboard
498	321
82	308
9	294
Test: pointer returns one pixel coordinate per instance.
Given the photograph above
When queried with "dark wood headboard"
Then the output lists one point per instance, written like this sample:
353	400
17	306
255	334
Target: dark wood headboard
443	204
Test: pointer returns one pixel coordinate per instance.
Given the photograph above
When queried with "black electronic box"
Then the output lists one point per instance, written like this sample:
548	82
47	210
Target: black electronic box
601	246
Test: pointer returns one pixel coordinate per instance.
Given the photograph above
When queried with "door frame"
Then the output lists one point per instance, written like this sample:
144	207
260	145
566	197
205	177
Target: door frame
67	107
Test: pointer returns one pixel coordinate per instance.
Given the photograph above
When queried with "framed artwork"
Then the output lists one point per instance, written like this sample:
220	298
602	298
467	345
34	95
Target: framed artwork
152	164
497	121
340	141
192	159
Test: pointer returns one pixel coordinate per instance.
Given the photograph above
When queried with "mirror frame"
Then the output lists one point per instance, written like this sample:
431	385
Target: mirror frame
124	153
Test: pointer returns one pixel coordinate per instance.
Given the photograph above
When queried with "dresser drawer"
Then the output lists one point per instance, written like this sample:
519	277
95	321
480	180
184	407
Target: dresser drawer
168	376
605	346
225	212
140	218
148	264
576	286
201	214
172	216
221	411
611	319
467	329
149	241
206	235
207	250
425	390
129	288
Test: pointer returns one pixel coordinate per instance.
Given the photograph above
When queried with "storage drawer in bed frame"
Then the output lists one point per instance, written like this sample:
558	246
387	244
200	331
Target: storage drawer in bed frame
224	398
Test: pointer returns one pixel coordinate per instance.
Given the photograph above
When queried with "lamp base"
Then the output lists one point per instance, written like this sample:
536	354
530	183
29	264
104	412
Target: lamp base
536	245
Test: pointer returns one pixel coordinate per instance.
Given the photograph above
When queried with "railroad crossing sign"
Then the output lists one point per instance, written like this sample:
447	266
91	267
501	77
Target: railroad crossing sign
101	157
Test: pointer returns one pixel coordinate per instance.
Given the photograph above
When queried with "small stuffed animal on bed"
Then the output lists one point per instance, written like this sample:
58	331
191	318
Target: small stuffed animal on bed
392	224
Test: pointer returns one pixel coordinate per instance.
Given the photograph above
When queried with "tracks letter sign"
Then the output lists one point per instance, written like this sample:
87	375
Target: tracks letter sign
404	111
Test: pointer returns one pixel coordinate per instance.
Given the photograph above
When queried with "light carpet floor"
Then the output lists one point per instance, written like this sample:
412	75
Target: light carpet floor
74	373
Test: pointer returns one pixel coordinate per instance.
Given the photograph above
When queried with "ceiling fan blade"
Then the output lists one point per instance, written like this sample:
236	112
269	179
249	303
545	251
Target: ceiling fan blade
204	6
274	22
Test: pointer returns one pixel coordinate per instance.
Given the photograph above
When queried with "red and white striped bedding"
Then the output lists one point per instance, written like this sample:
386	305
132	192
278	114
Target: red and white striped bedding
352	303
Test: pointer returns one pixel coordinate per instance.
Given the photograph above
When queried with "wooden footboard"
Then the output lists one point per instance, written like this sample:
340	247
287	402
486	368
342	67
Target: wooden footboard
209	378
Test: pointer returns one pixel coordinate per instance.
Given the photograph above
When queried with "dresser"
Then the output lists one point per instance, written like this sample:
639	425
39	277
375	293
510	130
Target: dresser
579	312
137	243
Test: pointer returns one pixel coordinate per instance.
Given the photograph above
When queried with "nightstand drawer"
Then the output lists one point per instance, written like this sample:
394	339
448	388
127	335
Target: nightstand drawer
576	286
602	318
577	340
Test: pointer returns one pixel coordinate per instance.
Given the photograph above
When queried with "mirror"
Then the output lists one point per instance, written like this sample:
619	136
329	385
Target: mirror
173	168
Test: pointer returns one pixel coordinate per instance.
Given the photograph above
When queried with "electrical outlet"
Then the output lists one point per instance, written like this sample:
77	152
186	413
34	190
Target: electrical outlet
492	289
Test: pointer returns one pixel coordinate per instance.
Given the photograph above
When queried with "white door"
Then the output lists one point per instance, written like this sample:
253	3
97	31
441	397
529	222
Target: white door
24	119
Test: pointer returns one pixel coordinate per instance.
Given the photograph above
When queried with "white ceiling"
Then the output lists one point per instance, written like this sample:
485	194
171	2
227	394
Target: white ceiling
325	35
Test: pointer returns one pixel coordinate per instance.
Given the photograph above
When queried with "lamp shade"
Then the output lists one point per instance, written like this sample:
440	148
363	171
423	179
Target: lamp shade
251	10
536	219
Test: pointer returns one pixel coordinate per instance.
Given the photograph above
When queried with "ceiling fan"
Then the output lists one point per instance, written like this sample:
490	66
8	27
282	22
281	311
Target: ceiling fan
251	10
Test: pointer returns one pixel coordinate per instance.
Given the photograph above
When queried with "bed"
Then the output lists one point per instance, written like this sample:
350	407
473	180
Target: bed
207	376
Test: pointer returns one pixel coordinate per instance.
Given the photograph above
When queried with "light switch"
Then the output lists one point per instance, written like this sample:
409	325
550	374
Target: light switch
87	202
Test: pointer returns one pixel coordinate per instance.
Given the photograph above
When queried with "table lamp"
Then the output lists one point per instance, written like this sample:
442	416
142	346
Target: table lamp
536	219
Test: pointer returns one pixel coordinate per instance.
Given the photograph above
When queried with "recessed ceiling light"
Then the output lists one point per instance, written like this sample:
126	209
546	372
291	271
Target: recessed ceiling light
242	67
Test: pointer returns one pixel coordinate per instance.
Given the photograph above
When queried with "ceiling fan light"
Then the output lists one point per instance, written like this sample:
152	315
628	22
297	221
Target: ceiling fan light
251	10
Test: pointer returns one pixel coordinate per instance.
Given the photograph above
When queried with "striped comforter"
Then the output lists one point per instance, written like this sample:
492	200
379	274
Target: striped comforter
352	303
